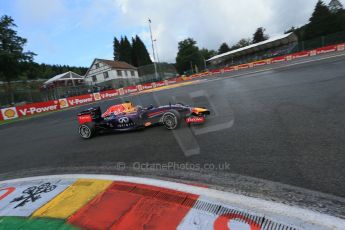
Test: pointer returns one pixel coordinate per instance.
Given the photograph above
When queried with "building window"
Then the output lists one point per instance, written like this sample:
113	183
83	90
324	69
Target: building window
94	78
97	65
119	73
132	73
105	75
126	74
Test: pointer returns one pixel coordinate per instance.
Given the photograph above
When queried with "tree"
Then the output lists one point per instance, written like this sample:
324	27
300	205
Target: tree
133	52
241	43
116	47
259	35
320	22
125	50
335	6
139	49
188	56
223	48
207	54
11	52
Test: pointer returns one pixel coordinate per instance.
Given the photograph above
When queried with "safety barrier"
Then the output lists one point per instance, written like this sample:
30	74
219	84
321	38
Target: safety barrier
63	103
37	108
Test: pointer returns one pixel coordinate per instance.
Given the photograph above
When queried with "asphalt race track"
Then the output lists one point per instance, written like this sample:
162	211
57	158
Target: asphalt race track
284	125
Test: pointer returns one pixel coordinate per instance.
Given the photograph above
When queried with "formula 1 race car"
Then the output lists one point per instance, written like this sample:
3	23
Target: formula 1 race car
126	117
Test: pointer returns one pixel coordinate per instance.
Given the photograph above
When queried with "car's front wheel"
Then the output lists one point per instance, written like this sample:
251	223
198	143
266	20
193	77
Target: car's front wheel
171	119
87	130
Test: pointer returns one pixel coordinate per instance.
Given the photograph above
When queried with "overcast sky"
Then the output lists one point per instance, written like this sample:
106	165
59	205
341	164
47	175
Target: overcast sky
74	32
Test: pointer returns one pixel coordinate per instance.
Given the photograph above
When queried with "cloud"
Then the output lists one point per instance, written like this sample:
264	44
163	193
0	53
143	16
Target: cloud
211	22
87	27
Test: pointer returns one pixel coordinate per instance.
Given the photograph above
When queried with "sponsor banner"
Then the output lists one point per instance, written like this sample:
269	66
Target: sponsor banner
341	47
299	55
131	89
179	79
63	103
80	100
312	52
160	84
97	96
23	198
147	86
109	94
1	117
259	63
278	59
326	49
269	61
171	81
121	91
140	87
35	108
244	66
251	65
215	71
9	113
191	120
228	69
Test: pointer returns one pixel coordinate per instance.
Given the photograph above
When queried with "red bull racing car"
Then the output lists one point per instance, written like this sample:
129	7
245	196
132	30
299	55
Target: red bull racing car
126	117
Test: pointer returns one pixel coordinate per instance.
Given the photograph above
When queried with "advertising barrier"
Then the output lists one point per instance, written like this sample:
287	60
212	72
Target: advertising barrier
41	107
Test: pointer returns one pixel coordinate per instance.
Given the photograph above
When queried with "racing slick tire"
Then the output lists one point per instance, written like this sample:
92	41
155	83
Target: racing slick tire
171	119
87	130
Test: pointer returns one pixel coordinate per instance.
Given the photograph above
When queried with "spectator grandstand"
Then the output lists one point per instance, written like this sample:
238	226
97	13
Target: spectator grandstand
277	46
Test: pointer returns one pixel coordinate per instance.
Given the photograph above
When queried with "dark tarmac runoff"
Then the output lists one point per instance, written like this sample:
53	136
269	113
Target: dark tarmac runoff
284	125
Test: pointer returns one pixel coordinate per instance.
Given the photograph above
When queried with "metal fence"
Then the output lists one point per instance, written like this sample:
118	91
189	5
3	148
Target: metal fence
148	73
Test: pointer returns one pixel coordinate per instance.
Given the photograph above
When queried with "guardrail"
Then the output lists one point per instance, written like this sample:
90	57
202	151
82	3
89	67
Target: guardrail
63	103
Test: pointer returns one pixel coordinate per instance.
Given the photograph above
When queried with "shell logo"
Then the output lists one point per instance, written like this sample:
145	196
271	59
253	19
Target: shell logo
97	96
63	103
9	113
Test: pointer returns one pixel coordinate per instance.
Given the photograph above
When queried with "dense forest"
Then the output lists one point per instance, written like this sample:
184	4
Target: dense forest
134	52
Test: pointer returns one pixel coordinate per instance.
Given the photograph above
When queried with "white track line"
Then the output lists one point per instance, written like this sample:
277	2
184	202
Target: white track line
255	204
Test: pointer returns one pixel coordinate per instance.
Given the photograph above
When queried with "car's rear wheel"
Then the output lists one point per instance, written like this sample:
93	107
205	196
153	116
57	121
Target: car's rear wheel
87	130
171	119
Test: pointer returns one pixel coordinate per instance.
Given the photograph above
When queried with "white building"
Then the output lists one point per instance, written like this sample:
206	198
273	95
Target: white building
110	73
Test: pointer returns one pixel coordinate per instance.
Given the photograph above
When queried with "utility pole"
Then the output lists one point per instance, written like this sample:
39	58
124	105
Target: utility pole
156	51
153	50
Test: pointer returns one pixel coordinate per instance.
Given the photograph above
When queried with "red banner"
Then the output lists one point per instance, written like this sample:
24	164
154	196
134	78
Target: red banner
341	47
147	86
160	84
244	66
326	49
109	94
131	89
35	108
80	100
1	117
301	54
259	63
278	59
